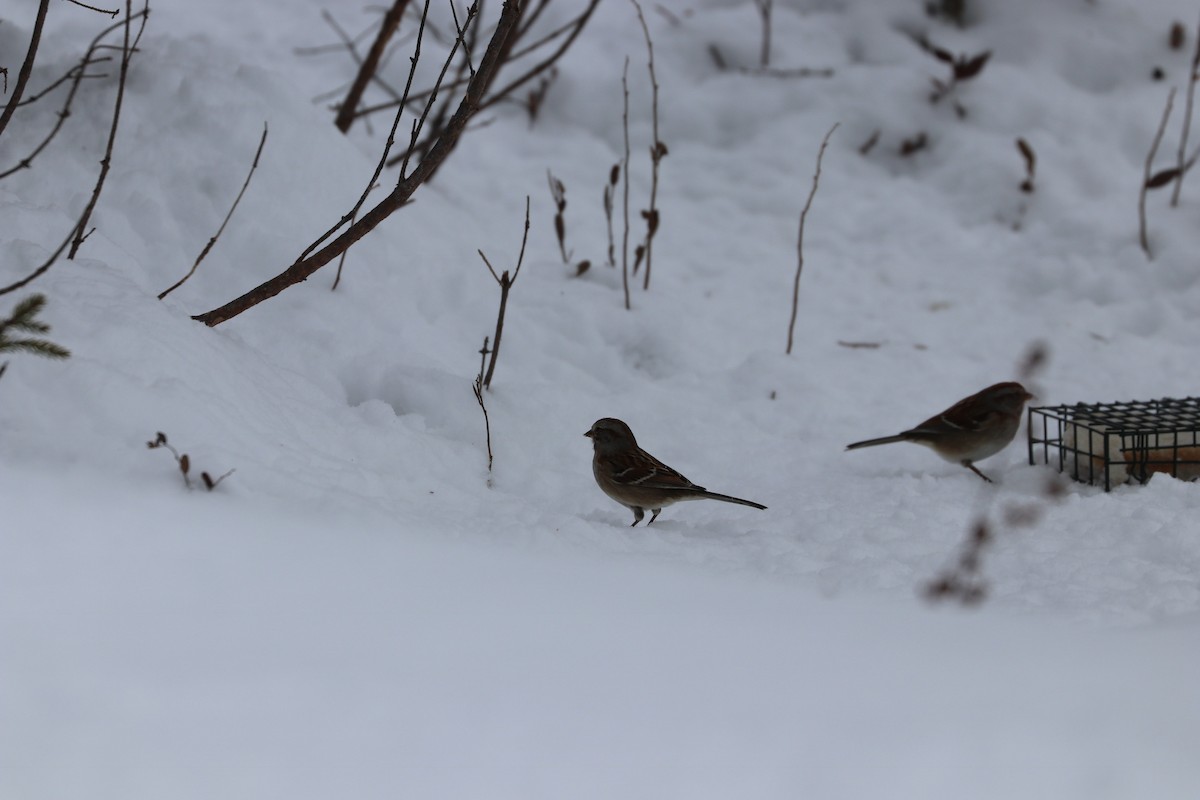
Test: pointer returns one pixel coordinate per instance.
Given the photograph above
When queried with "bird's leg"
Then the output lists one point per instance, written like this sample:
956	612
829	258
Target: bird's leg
638	513
971	467
653	517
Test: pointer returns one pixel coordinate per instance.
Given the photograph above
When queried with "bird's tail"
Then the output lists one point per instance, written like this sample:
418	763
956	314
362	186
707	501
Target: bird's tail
727	499
899	437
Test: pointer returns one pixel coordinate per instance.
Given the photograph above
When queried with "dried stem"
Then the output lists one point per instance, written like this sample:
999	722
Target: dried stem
800	238
351	216
438	123
477	387
658	151
220	230
764	11
77	229
26	66
625	173
614	176
1187	121
515	51
76	76
366	70
106	162
1162	127
398	197
505	281
558	192
113	13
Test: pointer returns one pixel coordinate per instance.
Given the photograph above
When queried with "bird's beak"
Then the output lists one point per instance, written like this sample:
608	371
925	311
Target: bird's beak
588	434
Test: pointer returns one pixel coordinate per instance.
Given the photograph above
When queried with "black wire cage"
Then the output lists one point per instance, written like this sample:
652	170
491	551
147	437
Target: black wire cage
1111	443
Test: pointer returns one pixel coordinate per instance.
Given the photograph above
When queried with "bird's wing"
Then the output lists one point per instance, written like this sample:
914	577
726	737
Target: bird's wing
639	468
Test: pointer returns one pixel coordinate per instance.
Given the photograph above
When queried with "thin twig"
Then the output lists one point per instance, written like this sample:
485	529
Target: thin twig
398	197
337	278
76	75
75	231
505	282
106	162
657	151
464	41
419	124
224	222
370	64
625	173
352	215
800	238
1187	121
1162	127
614	175
764	11
112	13
26	66
574	26
477	387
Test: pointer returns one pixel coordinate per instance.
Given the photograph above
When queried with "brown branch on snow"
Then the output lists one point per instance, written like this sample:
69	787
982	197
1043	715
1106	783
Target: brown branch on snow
1181	163
466	37
625	172
76	232
370	65
658	151
126	53
398	197
26	66
558	192
113	13
185	463
721	64
505	282
76	76
477	387
764	12
610	189
351	216
800	238
337	278
224	222
1154	181
516	50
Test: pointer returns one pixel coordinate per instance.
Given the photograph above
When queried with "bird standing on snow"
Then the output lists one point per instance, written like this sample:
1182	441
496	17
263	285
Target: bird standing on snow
970	430
638	480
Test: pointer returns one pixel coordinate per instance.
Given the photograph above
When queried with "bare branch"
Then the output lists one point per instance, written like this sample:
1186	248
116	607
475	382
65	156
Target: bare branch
370	64
224	222
625	174
477	387
800	238
1146	176
1187	120
76	232
126	53
506	282
26	66
658	151
112	13
397	198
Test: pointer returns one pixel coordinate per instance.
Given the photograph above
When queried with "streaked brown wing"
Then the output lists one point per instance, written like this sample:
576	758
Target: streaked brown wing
639	468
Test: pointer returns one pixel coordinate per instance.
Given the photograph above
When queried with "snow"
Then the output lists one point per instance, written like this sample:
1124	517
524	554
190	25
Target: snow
360	610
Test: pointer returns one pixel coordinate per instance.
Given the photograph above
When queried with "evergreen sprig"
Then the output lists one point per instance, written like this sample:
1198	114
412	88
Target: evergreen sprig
24	320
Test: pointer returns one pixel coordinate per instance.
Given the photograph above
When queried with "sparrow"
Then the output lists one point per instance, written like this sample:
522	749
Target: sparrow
638	480
970	430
